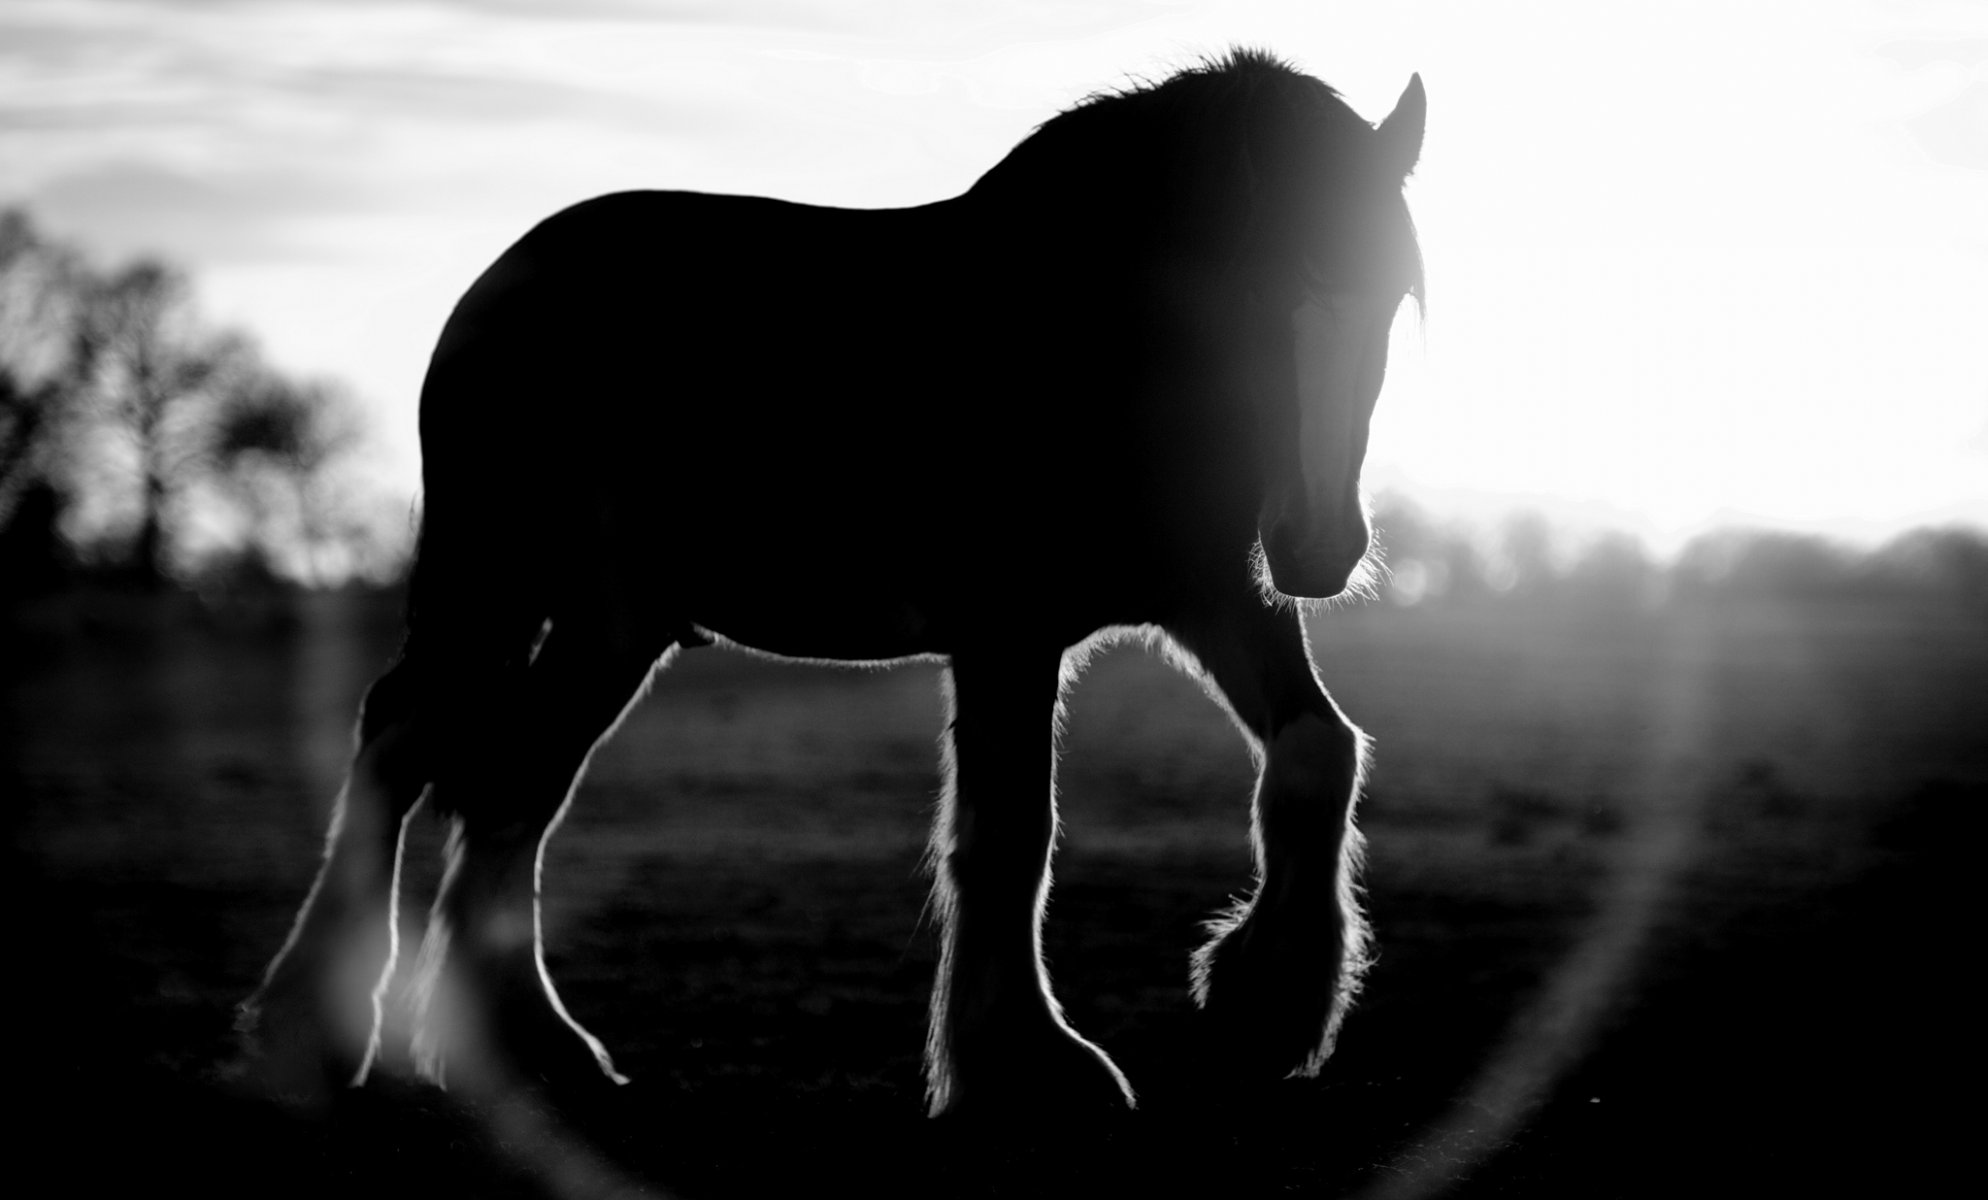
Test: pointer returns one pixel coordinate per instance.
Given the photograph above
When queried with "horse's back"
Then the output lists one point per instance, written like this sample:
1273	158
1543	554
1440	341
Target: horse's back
675	314
746	395
703	277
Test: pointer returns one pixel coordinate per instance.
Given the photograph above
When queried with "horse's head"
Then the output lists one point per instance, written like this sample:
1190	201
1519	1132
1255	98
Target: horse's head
1261	220
1342	258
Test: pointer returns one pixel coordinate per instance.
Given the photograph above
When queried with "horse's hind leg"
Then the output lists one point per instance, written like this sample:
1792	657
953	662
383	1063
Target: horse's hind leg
489	1016
1275	980
314	1023
998	1042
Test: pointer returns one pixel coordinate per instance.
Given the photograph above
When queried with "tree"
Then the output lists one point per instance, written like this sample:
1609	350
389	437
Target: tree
151	369
1526	551
1615	569
132	432
276	445
41	287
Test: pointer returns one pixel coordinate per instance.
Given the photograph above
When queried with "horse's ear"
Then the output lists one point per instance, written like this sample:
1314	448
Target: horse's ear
1401	132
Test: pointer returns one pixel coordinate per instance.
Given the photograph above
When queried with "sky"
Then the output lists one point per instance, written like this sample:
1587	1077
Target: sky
1689	264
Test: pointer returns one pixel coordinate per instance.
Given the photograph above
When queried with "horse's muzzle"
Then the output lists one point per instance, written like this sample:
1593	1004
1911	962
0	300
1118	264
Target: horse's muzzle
1312	568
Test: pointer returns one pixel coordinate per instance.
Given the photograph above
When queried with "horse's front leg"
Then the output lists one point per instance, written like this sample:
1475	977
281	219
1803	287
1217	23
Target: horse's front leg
1275	979
998	1042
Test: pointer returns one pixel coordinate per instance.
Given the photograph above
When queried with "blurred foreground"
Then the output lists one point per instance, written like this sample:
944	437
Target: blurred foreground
1669	893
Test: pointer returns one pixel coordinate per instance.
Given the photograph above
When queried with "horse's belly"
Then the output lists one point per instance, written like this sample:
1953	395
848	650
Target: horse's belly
843	629
806	570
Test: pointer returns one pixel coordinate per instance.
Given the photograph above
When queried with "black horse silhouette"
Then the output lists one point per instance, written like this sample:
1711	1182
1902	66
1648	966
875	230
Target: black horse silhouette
1121	384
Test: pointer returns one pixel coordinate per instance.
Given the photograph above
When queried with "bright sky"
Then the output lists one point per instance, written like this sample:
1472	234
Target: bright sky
1689	263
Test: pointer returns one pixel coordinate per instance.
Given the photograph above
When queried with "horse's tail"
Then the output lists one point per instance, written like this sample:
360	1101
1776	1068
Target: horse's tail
476	602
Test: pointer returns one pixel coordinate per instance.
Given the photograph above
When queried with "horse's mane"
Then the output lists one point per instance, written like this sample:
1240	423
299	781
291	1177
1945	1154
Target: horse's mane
1237	76
1230	126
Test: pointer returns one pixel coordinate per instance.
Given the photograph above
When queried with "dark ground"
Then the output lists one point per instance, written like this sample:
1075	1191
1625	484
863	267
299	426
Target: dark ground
1668	903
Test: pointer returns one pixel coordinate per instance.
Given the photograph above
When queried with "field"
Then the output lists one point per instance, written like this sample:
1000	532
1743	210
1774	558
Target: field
1669	901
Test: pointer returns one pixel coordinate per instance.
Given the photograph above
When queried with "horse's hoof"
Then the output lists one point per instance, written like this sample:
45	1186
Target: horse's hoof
576	1076
291	1051
1050	1077
1270	1008
523	1045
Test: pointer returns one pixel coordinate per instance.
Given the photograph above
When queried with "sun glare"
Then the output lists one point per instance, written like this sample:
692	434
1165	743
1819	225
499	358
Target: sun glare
1700	310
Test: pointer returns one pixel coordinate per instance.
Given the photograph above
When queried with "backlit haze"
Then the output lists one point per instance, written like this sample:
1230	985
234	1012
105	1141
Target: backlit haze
1689	264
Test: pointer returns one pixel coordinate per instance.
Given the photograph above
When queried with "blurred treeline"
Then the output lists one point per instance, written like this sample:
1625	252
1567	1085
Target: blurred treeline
140	445
1437	562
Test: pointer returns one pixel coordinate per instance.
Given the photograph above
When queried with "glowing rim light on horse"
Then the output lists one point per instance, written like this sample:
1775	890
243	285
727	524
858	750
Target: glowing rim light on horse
1176	330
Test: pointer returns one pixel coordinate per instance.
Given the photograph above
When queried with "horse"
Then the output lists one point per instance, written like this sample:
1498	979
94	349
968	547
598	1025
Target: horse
1121	383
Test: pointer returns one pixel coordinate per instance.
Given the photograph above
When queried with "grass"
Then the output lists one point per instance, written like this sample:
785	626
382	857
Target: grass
1666	899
